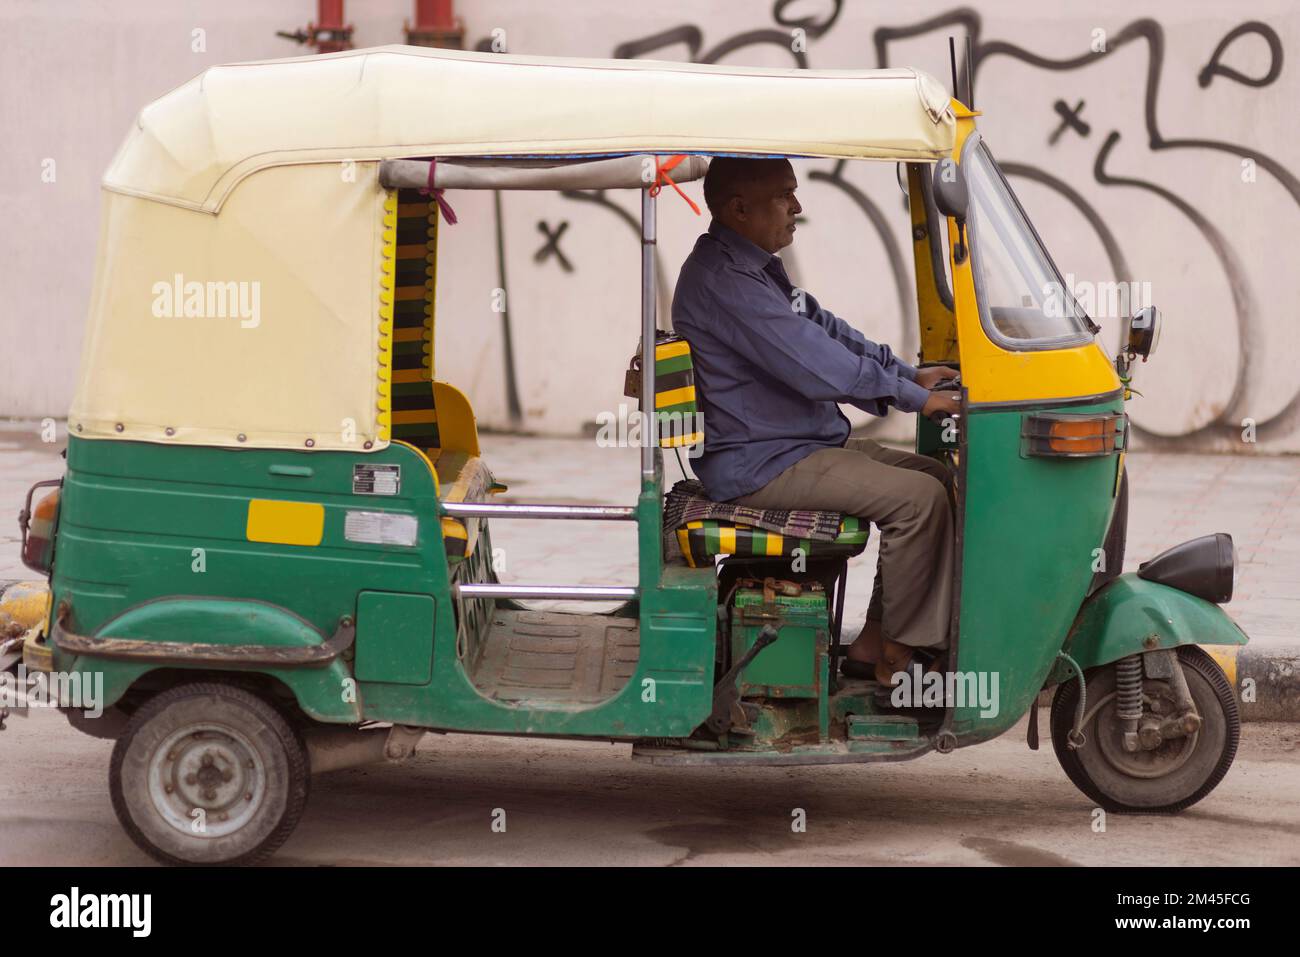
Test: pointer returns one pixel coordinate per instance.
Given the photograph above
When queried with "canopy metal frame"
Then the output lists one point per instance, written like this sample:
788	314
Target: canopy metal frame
648	465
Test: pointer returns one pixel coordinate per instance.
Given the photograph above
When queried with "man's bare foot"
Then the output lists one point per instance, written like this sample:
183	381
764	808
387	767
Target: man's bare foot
867	647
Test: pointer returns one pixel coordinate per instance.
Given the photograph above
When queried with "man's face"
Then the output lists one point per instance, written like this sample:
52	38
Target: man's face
764	211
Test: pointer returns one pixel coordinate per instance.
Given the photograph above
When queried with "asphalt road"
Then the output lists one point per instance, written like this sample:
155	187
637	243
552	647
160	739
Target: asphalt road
588	803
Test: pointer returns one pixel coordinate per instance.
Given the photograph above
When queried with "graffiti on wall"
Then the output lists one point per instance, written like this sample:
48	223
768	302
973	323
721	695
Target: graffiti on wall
1090	136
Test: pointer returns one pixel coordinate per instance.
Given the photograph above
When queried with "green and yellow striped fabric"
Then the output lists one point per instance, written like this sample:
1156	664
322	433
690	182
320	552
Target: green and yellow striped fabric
414	418
675	406
702	541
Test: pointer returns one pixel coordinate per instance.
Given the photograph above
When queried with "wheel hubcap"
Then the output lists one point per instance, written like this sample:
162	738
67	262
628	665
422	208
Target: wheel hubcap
1163	759
207	781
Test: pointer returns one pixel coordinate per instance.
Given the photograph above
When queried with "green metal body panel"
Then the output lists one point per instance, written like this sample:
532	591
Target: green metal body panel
395	638
1031	527
223	621
1131	615
790	667
153	544
142	522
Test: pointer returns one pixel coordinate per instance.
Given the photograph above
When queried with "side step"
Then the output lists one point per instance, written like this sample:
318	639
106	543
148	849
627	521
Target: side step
882	727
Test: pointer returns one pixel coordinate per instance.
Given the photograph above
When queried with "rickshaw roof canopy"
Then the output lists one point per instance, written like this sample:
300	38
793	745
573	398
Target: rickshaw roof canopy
192	146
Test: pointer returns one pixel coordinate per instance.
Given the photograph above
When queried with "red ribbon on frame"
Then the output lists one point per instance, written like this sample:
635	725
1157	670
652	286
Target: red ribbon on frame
662	169
444	207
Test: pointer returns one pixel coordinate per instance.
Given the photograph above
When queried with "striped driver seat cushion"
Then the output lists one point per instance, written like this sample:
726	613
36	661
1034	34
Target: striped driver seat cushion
702	541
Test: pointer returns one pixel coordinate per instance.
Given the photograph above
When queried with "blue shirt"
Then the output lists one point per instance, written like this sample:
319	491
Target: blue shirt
768	374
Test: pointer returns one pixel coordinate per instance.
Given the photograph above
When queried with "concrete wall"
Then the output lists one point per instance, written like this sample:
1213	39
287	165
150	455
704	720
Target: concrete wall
1167	160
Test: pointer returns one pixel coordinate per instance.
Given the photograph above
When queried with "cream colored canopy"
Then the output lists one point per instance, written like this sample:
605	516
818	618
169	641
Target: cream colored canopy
244	292
193	145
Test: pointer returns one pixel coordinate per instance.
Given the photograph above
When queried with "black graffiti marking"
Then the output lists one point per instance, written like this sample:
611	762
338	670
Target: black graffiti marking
809	25
598	197
1069	120
688	34
1118	263
1232	267
1286	419
964	17
694	40
1214	68
552	246
969	19
753	38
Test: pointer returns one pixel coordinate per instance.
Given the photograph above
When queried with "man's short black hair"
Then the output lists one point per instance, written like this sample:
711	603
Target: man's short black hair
729	175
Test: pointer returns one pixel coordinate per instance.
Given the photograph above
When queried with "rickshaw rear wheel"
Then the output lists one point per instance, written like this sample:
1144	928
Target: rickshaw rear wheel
208	773
1168	779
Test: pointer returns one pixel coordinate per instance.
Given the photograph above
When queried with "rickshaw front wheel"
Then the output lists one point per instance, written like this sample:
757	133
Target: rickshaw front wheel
1162	780
207	773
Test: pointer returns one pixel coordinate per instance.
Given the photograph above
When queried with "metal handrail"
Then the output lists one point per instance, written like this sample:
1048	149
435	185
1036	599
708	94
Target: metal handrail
593	513
572	592
649	325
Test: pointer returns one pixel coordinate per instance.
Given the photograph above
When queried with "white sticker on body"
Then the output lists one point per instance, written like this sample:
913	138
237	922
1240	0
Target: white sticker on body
381	528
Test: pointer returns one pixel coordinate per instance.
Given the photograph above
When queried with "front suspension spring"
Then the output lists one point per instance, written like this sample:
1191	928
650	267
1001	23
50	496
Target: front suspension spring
1128	688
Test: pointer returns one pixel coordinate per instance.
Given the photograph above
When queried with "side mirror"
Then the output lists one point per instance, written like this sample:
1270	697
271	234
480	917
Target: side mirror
950	196
950	190
1144	333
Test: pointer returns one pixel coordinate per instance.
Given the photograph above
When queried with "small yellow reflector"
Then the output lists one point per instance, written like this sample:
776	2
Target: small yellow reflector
285	523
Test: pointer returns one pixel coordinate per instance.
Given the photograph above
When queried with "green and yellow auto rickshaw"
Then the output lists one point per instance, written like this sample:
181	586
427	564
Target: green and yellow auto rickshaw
272	542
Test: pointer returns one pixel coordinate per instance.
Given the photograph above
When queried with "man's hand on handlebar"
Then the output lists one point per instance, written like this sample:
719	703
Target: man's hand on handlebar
940	405
943	402
931	376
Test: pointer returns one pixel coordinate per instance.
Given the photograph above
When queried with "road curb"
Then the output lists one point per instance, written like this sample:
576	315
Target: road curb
1265	679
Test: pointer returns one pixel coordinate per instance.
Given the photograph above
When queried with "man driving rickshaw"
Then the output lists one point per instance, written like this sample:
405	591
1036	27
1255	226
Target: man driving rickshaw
772	366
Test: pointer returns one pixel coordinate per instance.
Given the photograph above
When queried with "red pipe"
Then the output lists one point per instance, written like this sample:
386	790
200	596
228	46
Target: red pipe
329	20
329	34
434	15
436	25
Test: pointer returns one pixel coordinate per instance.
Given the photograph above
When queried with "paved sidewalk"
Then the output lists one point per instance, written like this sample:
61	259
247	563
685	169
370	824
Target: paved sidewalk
1173	497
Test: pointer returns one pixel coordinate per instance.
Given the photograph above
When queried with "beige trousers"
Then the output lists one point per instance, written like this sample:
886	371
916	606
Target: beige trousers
907	497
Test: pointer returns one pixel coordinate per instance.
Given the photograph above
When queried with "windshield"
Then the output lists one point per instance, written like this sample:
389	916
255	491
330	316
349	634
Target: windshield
1023	301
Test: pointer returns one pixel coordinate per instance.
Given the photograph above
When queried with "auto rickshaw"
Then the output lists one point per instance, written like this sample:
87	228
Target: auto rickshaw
273	537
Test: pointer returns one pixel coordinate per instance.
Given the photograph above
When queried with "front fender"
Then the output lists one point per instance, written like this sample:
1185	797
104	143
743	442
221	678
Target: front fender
205	626
1131	615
